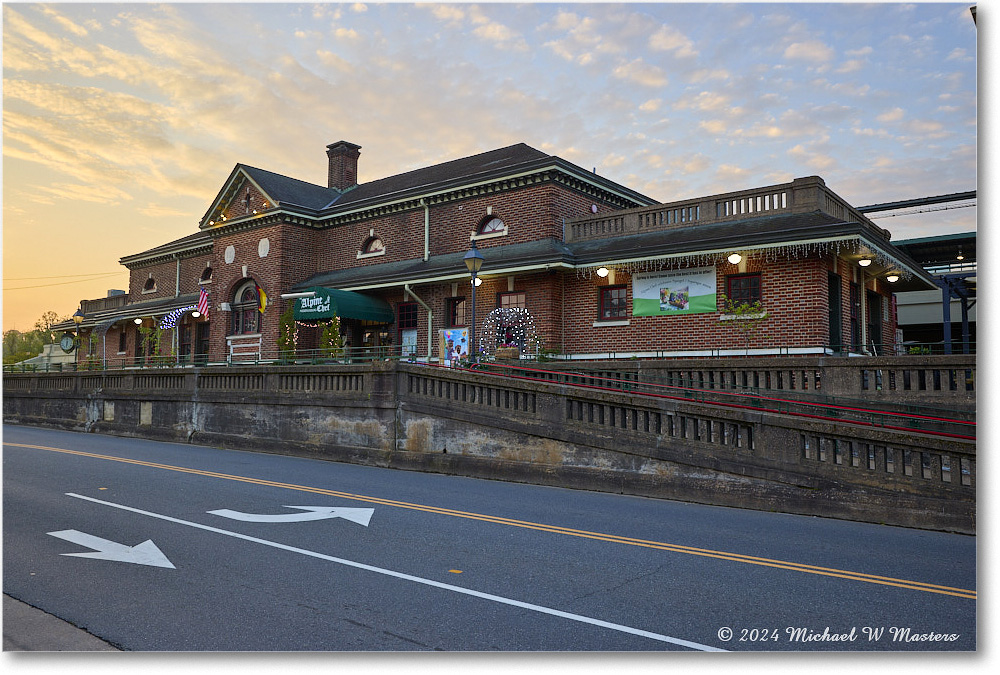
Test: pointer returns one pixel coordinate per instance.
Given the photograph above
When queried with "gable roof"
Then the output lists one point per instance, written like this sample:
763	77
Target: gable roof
317	201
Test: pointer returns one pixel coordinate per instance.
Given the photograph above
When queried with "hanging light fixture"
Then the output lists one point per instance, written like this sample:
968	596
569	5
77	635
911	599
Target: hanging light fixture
735	258
960	256
137	321
865	262
603	272
892	278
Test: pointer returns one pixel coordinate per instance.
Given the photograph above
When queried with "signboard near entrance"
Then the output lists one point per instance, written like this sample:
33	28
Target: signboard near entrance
454	345
318	307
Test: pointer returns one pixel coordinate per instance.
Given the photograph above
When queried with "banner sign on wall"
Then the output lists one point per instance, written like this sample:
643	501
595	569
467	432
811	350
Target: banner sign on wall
690	291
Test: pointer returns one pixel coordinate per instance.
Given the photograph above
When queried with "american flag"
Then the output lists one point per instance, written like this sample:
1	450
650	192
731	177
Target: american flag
203	301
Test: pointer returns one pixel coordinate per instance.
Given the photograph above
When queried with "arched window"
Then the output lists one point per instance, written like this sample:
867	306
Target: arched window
373	245
246	310
150	285
491	225
206	276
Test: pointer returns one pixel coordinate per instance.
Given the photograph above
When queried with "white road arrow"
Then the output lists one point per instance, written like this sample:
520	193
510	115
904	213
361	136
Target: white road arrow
360	516
145	553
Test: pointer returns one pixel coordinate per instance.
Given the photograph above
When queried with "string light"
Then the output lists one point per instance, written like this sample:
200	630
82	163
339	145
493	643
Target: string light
517	326
774	254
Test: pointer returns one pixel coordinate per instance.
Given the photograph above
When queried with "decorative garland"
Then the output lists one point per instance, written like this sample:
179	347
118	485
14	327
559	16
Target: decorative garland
771	254
170	320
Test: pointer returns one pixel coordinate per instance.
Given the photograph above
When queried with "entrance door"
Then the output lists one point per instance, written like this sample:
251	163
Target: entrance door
836	314
875	320
408	342
201	343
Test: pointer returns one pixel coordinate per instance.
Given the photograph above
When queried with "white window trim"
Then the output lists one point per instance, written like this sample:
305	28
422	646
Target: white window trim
491	235
151	290
734	317
375	254
612	323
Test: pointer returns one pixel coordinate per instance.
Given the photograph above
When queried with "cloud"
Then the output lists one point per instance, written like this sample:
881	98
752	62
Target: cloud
812	157
851	66
332	60
502	36
894	115
704	74
672	40
641	73
813	51
717	127
77	30
706	101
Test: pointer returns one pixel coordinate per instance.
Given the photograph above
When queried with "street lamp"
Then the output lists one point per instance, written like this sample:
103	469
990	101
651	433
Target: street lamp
78	318
474	261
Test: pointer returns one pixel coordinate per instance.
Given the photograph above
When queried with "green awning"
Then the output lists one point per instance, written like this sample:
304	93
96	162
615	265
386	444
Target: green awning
331	302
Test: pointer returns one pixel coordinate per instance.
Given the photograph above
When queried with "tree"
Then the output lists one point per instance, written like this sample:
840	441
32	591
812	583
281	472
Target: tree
286	333
18	345
745	318
331	343
45	323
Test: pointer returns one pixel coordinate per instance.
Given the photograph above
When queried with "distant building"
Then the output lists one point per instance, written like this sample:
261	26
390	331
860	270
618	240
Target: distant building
951	260
574	264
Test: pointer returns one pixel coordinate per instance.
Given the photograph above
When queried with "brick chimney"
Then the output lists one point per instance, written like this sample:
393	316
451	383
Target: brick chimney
343	164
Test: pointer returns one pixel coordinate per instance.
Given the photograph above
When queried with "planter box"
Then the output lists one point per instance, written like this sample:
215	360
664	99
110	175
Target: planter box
509	353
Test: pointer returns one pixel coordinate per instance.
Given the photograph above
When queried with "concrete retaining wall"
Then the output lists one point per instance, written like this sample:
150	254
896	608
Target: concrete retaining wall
425	418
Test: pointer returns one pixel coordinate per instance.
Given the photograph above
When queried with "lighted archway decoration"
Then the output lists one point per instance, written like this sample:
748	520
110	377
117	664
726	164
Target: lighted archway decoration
508	327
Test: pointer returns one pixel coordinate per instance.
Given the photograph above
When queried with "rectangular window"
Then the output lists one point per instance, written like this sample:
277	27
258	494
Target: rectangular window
743	288
122	341
407	312
510	300
456	312
613	303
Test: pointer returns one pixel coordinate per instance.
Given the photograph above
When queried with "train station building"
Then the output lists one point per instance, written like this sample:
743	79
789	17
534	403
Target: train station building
574	266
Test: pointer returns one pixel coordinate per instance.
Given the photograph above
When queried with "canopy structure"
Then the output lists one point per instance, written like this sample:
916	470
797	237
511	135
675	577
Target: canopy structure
330	302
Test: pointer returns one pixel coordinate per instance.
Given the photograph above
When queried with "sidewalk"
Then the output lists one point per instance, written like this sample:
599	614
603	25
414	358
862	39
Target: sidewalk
27	629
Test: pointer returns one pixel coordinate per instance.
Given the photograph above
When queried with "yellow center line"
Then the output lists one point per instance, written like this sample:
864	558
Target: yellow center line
555	529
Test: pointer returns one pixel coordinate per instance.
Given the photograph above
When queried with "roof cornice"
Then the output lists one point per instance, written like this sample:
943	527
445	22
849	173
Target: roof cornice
407	200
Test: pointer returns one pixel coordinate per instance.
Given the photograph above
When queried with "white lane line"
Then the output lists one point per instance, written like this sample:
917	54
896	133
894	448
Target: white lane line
419	580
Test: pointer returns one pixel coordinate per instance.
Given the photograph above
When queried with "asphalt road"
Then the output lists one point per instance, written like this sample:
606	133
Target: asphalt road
377	560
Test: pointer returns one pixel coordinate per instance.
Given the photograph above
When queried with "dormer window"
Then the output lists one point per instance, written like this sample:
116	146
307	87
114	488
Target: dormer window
372	246
491	226
150	285
206	276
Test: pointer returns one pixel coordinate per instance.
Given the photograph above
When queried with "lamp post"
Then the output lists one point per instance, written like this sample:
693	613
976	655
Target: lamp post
77	319
474	261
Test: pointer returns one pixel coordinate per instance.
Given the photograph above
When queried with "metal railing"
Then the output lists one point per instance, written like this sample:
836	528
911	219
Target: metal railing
297	357
924	419
395	352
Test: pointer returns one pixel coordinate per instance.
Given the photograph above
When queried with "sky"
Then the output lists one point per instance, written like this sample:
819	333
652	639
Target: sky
121	122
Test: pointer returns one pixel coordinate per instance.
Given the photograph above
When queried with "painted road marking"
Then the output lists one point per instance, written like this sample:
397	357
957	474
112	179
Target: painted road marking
663	546
360	516
420	580
145	553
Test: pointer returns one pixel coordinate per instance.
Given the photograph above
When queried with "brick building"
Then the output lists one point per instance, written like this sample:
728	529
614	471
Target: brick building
574	264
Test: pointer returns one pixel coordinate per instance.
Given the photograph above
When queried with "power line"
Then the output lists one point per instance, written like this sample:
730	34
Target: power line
910	213
62	276
58	283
